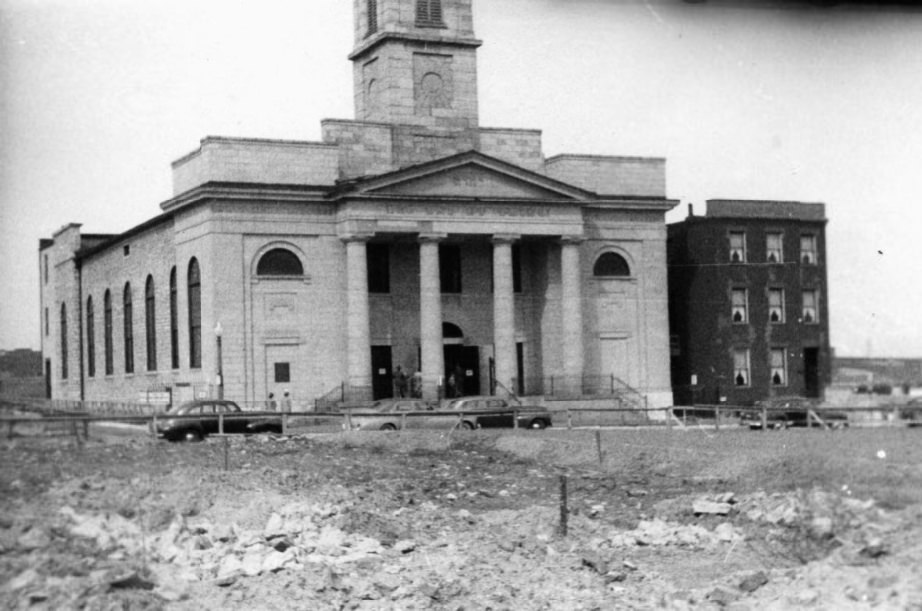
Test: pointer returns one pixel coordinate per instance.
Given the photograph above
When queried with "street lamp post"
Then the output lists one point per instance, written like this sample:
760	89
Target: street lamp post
218	331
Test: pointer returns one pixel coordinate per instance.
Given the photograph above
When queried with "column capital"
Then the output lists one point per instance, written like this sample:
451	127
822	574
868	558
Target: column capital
432	237
356	236
573	240
506	238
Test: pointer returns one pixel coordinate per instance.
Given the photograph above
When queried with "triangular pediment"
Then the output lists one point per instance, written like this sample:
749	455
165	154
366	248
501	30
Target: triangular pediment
468	175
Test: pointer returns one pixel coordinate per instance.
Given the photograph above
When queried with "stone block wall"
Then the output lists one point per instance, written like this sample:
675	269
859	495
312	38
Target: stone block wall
638	176
256	161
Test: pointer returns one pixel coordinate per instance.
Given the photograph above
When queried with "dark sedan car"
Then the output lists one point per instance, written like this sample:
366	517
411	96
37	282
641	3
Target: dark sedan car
786	412
195	420
912	412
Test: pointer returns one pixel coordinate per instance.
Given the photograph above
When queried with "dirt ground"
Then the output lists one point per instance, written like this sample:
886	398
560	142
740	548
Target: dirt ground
655	519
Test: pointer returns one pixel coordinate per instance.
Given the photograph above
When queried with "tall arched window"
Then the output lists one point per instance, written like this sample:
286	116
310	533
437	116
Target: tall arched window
611	264
174	322
63	341
107	330
279	262
90	338
195	315
150	325
128	327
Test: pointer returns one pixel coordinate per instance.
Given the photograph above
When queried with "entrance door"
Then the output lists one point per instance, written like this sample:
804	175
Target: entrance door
812	372
280	376
520	368
382	385
462	364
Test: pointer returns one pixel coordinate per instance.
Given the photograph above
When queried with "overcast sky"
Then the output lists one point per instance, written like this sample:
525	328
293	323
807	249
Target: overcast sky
781	101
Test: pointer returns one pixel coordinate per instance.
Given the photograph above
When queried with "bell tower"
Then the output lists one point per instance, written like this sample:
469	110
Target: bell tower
415	63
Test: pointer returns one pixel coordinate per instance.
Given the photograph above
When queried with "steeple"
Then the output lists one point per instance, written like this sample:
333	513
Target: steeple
415	62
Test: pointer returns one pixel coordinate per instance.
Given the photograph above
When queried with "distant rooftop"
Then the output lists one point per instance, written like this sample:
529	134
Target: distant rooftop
771	209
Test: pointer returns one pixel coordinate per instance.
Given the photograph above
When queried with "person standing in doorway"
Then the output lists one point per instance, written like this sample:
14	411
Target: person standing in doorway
271	404
400	383
416	385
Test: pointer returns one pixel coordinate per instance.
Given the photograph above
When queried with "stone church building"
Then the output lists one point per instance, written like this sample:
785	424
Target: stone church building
409	236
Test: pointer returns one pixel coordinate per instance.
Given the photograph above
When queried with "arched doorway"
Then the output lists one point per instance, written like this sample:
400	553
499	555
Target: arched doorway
462	363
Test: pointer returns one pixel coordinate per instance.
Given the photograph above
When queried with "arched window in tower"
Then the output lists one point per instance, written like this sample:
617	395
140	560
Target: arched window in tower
372	17
174	322
195	315
150	325
609	265
429	12
90	338
63	341
128	328
279	262
107	330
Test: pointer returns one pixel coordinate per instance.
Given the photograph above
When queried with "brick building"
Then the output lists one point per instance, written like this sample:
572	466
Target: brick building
408	236
748	302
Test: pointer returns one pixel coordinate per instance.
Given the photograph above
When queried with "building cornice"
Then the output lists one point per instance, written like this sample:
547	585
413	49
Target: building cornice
414	37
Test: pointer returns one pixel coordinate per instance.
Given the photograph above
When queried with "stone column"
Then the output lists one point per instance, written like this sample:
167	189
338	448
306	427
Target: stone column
503	311
571	308
430	315
358	334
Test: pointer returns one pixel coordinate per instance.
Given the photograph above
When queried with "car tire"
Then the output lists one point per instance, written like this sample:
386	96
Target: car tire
537	424
466	425
192	436
388	427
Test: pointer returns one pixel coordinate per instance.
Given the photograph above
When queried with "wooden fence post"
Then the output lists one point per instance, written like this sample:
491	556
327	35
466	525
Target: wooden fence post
564	511
221	423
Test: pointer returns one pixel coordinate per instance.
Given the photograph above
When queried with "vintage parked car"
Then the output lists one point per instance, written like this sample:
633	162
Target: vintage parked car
498	412
201	418
464	412
911	412
786	412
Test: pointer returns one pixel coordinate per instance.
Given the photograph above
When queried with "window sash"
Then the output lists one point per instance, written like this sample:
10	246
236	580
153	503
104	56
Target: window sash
774	248
776	305
737	247
741	367
810	310
808	254
739	306
778	367
90	339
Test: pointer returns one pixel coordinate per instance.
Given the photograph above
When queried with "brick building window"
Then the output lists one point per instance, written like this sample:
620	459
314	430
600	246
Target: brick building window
378	262
739	305
776	305
107	330
808	251
46	321
372	6
46	269
150	324
63	341
774	250
810	312
174	322
778	367
90	338
737	247
450	268
128	328
741	367
429	12
194	281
